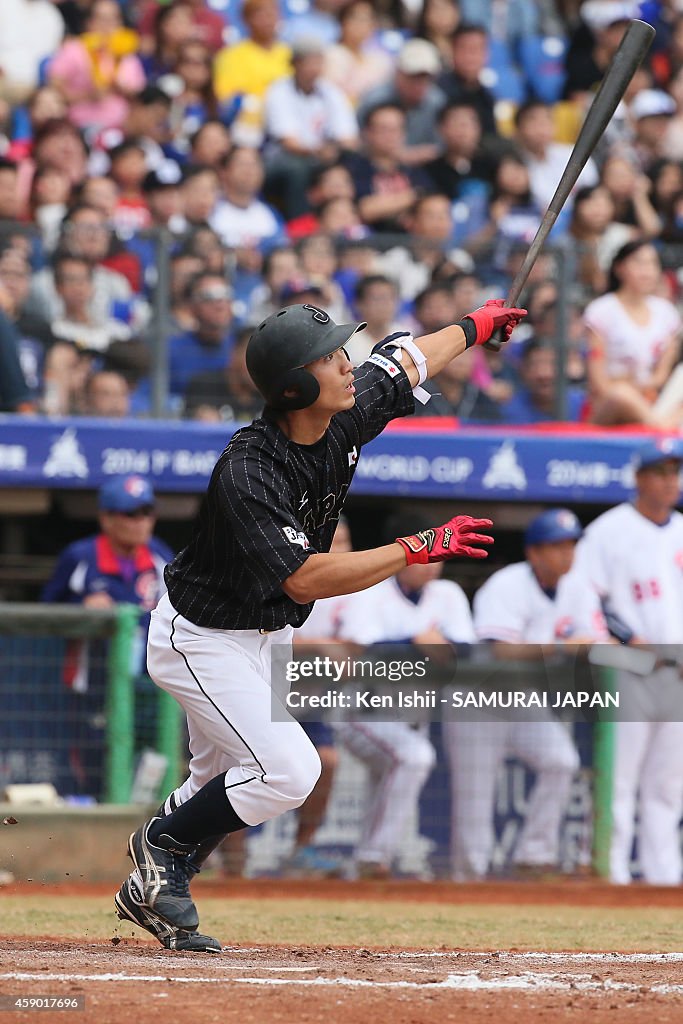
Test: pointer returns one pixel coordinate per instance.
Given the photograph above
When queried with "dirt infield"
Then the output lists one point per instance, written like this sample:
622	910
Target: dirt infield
132	980
135	982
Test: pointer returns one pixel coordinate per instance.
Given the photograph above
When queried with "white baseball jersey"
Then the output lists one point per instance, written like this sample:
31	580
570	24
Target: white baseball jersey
511	606
325	620
639	565
632	349
383	613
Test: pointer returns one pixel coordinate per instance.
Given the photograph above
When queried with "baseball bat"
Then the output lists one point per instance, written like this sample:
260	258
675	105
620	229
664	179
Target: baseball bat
633	47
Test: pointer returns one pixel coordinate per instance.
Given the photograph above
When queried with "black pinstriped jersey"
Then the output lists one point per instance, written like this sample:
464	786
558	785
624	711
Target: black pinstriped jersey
271	503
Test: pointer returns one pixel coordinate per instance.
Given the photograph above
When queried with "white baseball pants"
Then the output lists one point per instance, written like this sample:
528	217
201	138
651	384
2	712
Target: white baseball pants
476	752
399	760
648	762
222	679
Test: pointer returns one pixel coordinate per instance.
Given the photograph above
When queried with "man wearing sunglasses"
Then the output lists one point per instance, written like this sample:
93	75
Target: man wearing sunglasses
207	347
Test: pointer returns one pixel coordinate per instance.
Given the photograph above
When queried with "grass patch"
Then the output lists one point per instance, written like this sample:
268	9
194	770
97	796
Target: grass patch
370	923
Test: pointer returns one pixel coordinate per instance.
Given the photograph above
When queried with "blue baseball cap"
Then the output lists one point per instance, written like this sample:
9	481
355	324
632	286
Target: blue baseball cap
125	494
553	526
660	450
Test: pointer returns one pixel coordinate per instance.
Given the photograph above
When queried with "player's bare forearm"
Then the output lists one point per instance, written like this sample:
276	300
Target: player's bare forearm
327	575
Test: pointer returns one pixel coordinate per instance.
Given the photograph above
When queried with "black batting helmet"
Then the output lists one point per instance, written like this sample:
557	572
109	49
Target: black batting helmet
283	344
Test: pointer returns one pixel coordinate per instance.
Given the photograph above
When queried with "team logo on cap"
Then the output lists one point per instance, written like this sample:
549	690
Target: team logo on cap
566	519
135	486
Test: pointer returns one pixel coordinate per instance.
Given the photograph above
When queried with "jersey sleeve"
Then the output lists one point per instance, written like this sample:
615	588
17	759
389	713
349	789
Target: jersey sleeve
458	626
359	621
498	612
57	590
262	520
383	393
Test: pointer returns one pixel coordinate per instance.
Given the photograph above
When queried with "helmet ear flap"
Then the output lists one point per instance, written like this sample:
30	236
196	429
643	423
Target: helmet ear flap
304	385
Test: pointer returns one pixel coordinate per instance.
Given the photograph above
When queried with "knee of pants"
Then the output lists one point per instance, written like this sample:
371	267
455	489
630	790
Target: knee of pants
299	779
420	756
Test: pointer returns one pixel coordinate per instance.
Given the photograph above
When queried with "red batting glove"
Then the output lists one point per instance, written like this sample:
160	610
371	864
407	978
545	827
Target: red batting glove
494	314
447	541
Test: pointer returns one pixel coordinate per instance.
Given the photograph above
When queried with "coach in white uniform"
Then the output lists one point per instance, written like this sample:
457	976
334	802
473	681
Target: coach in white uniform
634	554
418	608
519	608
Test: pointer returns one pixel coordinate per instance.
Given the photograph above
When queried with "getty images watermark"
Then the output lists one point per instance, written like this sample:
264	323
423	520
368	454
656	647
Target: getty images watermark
403	683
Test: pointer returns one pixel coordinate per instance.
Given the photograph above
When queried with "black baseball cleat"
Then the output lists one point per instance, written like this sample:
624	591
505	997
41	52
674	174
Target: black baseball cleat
165	870
130	906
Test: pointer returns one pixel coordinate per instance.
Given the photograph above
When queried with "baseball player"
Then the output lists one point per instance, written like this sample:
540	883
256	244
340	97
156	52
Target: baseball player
124	562
257	560
634	555
536	602
417	608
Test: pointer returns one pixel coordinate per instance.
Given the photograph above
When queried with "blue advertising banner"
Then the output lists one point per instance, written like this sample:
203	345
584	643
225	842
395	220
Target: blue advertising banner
468	462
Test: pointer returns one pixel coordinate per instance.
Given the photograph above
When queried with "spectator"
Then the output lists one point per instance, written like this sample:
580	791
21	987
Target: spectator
84	234
33	334
73	281
667	181
208	346
106	394
377	303
172	27
596	237
437	22
279	266
519	19
199	194
458	391
9	195
207	25
513	217
386	189
630	192
331	181
15	395
534	400
205	243
185	267
197	102
148	120
463	169
413	88
594	42
226	397
48	203
30	31
244	71
162	192
356	64
319	262
57	144
430	226
651	111
123	562
435	308
99	70
545	158
340	218
128	171
210	144
309	121
634	343
240	217
469	58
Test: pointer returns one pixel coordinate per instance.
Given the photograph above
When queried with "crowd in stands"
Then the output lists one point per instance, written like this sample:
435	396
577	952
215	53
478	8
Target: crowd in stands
171	173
